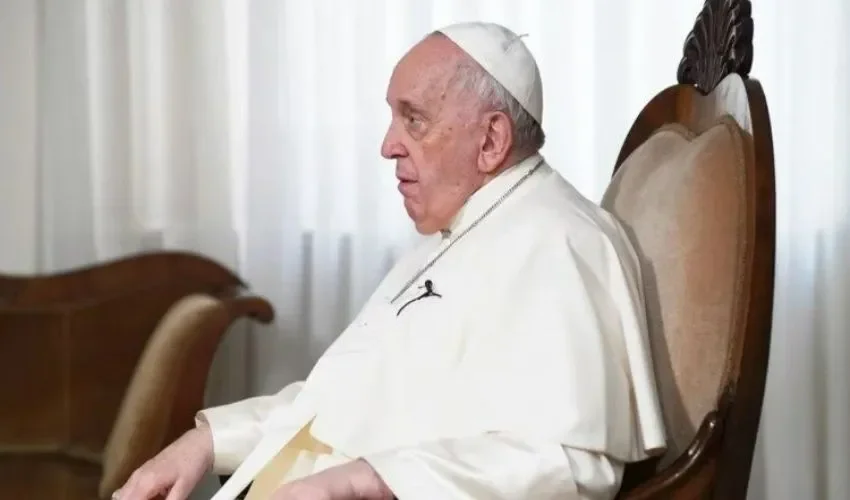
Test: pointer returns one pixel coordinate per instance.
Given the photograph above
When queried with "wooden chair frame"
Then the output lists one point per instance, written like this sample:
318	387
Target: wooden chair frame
718	461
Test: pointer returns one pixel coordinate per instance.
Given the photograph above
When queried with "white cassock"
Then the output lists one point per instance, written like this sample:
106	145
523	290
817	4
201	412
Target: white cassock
529	377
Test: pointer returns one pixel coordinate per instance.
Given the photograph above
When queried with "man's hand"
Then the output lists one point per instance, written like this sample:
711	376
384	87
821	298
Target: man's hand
352	481
175	471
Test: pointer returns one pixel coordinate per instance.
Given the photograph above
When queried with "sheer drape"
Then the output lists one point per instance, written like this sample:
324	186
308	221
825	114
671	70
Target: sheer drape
250	131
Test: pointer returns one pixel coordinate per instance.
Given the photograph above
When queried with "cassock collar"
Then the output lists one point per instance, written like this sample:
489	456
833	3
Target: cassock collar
487	194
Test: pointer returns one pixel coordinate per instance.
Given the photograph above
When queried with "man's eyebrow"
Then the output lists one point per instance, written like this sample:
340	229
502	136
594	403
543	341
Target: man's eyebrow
411	103
408	105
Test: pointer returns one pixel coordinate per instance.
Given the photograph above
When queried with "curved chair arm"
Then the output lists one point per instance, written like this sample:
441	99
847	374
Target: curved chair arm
168	385
141	271
693	471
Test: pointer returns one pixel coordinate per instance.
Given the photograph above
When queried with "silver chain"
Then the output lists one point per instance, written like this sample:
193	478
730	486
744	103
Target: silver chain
477	221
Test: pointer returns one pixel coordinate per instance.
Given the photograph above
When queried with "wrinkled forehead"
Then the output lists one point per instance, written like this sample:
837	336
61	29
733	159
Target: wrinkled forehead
423	75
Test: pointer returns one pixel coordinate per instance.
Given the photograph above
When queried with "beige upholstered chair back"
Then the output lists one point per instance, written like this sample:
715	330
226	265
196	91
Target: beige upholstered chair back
694	192
694	188
682	196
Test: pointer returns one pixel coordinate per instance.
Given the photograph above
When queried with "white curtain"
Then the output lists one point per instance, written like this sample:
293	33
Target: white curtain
250	132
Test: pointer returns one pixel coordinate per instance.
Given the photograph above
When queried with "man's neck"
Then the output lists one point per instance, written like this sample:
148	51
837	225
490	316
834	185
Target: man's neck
513	161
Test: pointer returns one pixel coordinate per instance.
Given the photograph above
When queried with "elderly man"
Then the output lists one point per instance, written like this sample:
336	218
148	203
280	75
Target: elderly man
505	357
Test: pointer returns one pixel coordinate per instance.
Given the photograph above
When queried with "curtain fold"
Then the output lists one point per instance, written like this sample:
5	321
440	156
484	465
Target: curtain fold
250	132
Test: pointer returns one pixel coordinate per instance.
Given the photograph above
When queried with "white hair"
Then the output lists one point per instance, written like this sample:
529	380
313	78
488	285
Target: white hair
528	134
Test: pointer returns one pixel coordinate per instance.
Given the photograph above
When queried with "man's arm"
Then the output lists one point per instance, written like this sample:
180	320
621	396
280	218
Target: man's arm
481	467
496	466
237	427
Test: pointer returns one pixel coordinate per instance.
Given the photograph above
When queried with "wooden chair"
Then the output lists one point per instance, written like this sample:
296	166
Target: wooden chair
104	366
694	183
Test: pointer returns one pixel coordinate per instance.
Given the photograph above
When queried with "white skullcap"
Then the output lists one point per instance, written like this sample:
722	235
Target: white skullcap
504	55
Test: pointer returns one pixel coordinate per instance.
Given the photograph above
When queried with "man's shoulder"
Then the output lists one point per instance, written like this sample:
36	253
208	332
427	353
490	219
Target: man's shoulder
555	227
556	213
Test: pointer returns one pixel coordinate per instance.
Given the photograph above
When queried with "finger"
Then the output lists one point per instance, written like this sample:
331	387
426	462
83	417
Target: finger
143	487
180	491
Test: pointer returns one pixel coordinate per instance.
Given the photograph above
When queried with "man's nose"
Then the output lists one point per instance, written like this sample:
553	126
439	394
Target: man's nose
391	148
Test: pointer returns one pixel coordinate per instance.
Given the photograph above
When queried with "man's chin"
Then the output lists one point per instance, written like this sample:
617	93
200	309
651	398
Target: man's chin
424	231
423	227
426	228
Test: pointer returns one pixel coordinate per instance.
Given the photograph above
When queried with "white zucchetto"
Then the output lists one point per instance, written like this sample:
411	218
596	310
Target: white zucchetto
502	53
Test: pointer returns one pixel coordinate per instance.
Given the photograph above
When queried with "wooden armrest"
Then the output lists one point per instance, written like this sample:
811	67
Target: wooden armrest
173	372
241	305
694	469
194	272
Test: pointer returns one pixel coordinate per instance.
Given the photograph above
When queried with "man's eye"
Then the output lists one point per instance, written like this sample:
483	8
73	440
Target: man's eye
414	121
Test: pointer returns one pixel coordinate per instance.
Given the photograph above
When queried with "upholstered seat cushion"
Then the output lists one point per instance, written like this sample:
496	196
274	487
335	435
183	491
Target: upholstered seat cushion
681	196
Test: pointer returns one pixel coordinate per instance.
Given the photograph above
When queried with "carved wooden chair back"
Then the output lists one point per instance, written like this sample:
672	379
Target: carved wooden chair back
694	184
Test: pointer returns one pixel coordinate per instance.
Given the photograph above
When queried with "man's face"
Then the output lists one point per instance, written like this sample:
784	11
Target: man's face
435	134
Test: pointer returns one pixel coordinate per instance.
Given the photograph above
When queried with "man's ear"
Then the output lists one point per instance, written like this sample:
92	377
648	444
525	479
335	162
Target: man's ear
497	143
